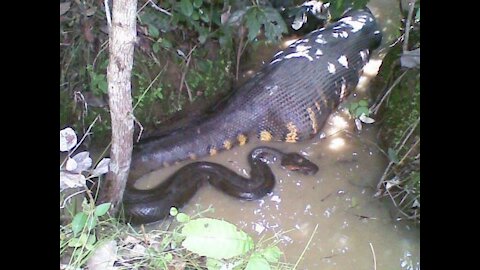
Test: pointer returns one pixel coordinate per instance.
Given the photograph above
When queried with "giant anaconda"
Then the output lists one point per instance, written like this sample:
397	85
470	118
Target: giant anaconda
289	99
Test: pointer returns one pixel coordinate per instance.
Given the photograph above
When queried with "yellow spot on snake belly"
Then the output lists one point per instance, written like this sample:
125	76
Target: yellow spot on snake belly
265	136
292	135
311	114
227	144
212	151
192	156
242	139
318	106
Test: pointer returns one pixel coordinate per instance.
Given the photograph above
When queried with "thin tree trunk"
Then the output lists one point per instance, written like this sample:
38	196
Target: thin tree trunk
121	44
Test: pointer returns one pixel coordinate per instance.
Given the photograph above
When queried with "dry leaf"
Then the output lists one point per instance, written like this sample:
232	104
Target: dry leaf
71	180
64	7
68	139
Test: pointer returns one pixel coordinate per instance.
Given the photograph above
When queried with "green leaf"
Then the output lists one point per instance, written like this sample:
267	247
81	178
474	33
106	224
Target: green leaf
182	217
153	31
274	24
205	17
252	23
197	3
257	262
213	264
195	16
102	209
353	106
363	103
156	47
202	38
173	211
166	43
103	86
272	254
214	238
158	93
361	110
78	222
392	155
74	242
91	223
91	240
186	7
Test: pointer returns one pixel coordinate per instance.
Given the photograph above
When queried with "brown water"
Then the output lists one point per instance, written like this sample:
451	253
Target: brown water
353	229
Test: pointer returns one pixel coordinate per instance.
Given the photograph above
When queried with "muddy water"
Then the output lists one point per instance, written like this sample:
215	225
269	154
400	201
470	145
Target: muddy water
338	199
353	229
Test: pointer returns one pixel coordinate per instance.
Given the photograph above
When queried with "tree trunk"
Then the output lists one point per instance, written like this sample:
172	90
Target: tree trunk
121	44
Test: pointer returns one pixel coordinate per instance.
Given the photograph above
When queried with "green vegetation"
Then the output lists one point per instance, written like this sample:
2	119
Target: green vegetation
398	109
88	237
185	53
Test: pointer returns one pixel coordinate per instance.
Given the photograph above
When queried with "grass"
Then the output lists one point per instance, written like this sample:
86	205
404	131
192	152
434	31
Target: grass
160	247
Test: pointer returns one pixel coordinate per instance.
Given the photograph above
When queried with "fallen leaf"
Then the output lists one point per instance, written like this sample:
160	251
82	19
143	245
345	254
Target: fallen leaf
64	7
70	180
68	139
410	59
104	257
365	119
102	167
71	165
84	162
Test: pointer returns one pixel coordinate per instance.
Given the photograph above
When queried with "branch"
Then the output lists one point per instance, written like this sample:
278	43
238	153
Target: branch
411	3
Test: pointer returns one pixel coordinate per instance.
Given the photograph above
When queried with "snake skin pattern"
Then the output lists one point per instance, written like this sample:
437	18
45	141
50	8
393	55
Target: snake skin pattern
289	99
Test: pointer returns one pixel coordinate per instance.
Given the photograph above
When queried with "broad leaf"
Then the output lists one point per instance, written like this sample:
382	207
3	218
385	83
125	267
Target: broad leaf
83	160
68	139
79	222
252	23
71	180
102	209
102	167
186	7
392	155
257	262
272	254
214	238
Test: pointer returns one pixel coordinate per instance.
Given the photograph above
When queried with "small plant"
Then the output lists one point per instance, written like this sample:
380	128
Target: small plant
98	82
78	238
360	112
223	244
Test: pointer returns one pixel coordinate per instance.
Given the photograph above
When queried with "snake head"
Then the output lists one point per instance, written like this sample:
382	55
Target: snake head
296	162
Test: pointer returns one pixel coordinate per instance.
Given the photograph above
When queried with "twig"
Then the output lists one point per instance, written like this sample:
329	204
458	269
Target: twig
240	50
184	73
189	91
107	14
409	150
81	140
305	249
409	134
148	87
374	108
141	8
142	227
159	8
407	24
103	48
69	197
139	125
374	258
